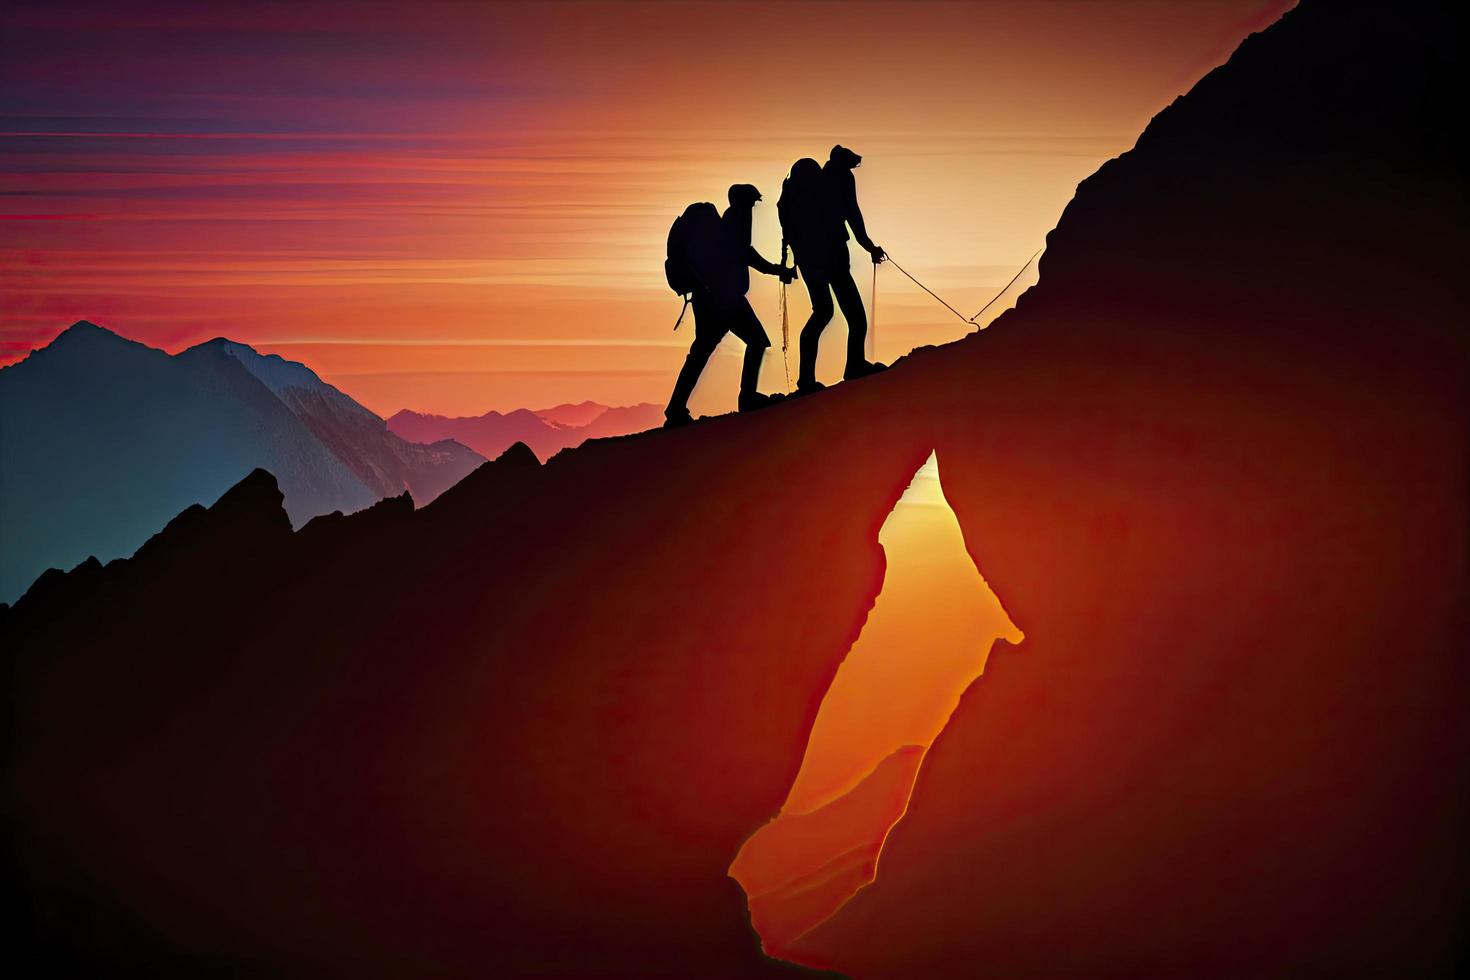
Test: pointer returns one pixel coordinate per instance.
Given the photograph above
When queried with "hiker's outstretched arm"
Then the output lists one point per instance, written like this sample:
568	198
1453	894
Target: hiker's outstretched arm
758	262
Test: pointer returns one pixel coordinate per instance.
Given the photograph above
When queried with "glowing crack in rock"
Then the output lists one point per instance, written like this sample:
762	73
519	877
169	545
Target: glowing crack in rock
926	639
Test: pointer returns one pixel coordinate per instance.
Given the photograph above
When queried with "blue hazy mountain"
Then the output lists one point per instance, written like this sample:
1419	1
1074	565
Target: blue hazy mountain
103	439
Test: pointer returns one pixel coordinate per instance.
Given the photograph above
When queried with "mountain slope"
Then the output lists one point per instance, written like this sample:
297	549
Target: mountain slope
1216	465
1219	486
384	462
103	439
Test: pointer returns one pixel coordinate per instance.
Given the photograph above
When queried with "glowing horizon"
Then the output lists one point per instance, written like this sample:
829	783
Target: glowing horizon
376	195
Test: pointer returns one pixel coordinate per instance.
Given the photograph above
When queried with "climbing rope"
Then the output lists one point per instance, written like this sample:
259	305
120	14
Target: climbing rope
1007	285
785	322
785	338
921	286
872	352
968	319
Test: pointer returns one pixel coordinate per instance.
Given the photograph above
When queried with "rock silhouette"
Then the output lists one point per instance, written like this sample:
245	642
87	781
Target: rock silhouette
358	711
1213	464
103	439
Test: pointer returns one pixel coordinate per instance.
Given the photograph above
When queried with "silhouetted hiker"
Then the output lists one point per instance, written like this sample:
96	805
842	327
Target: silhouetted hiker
710	258
817	205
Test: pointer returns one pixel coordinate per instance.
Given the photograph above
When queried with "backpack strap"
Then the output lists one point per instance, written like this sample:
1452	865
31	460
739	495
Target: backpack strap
681	312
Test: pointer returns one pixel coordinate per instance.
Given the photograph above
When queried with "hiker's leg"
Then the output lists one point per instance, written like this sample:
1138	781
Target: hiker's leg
851	301
818	288
747	326
699	354
750	370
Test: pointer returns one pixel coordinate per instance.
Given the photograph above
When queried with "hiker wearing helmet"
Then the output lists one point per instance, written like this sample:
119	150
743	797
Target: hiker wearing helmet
817	206
710	257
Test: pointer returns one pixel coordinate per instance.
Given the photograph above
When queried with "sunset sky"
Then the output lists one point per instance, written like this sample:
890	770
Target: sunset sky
457	207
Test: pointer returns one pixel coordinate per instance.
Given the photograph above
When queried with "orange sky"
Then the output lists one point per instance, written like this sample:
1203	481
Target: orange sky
457	208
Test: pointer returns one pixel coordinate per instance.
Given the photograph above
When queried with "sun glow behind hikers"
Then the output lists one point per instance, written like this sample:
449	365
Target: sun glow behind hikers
393	198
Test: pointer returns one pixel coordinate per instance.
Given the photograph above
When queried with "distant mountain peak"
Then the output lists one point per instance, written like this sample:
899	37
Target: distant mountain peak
115	436
547	432
83	341
87	332
572	416
259	486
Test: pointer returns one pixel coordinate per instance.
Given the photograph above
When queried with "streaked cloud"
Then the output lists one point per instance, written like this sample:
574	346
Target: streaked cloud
497	179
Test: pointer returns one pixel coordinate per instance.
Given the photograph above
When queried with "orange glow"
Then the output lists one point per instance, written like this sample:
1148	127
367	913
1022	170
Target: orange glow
926	639
924	642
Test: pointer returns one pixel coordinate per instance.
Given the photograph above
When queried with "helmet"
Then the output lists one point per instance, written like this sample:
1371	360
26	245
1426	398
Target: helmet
744	194
845	157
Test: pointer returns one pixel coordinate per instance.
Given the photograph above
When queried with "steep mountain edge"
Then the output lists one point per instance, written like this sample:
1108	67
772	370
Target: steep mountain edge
1215	464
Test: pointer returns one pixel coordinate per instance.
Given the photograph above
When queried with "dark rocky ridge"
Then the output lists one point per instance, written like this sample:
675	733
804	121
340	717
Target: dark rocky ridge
1219	485
1215	464
103	439
539	727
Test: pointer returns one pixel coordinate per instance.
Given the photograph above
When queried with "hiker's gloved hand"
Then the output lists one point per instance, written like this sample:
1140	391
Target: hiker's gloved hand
878	255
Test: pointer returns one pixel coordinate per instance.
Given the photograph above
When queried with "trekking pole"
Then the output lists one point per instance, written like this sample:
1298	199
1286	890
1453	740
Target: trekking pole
785	340
873	326
785	323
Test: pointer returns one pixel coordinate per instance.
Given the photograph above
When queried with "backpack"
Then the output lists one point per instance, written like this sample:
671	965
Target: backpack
690	238
697	221
799	206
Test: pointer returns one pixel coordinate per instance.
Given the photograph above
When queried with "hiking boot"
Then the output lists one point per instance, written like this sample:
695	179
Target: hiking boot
754	401
677	419
809	387
863	369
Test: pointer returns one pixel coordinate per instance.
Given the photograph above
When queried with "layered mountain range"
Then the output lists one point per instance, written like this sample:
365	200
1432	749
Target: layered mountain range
522	731
102	439
546	431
